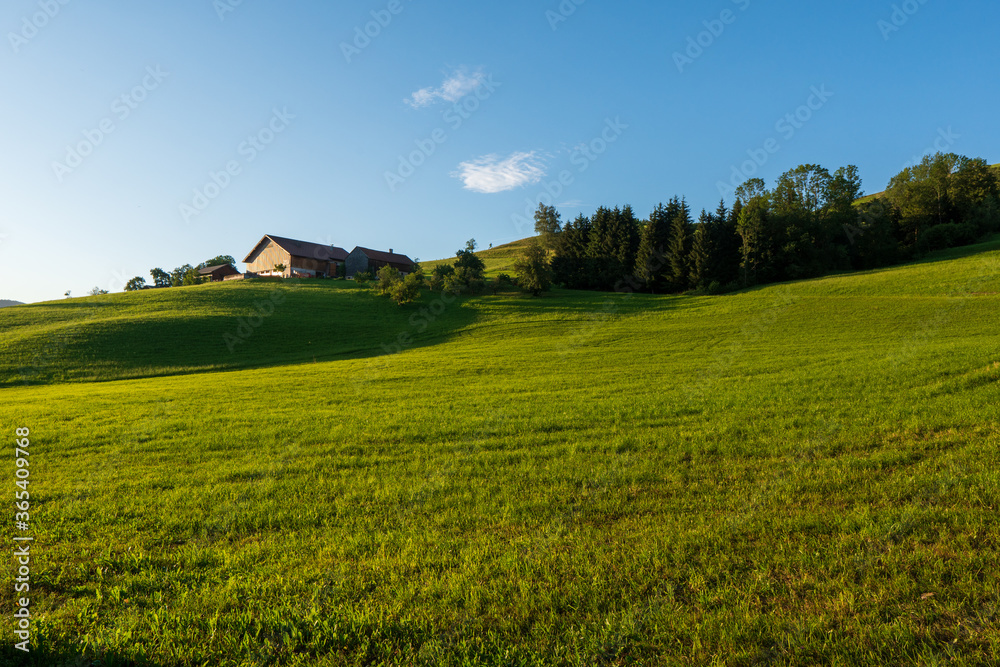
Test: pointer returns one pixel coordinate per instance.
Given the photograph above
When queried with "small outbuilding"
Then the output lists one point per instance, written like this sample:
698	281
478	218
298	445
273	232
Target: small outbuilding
218	273
366	259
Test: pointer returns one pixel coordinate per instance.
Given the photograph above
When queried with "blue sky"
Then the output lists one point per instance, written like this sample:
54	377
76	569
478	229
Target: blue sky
447	121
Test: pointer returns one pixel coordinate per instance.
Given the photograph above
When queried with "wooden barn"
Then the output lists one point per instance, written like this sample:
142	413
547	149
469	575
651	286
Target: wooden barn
301	259
366	259
218	273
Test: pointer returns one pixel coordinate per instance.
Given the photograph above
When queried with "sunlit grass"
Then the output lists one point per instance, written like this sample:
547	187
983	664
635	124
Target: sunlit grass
795	475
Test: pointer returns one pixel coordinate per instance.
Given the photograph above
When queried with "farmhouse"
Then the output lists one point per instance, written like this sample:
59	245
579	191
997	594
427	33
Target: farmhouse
300	259
219	273
366	259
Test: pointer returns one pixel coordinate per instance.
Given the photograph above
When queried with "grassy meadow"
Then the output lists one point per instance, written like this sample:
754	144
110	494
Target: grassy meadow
800	474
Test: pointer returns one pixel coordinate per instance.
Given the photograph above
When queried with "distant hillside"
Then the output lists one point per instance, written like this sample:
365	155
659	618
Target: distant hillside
6	303
498	260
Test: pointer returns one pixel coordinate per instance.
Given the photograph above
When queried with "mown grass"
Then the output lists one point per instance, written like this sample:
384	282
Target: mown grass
794	475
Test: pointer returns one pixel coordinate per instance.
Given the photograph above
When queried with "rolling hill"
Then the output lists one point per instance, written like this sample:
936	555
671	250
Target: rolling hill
803	473
498	260
6	303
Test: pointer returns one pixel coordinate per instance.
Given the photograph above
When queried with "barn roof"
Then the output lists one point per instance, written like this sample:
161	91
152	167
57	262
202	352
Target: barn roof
302	249
389	257
213	269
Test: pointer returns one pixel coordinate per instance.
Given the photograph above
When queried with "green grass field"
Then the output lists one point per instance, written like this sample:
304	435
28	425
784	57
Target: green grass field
799	474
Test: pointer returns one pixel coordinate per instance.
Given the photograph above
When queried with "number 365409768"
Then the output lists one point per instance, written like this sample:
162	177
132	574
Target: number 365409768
22	454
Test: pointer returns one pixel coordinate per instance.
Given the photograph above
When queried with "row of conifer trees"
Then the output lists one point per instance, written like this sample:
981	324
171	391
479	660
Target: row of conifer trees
812	222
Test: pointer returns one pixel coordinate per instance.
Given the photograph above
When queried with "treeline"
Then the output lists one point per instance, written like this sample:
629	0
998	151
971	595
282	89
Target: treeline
182	276
812	222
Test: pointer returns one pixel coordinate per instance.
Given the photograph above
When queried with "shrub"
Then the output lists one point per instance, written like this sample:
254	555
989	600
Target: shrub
387	278
439	274
407	290
949	235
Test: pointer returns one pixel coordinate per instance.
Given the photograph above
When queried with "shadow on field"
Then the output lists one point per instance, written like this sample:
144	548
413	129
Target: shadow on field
217	327
992	244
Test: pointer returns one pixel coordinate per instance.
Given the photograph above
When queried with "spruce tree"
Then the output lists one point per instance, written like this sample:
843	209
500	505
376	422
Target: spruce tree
702	252
600	250
725	265
570	264
680	249
651	258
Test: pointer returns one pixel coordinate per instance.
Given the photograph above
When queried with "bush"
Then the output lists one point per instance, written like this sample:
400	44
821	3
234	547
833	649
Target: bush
949	235
387	279
363	277
453	284
407	290
402	290
439	274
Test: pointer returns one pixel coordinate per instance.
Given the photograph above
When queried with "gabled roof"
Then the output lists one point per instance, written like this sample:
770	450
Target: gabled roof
302	249
389	257
213	269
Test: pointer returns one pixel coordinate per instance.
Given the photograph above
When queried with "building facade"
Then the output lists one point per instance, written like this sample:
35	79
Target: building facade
366	259
298	259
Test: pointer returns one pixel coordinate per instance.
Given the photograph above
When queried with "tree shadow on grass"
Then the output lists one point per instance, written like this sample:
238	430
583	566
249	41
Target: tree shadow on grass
253	326
991	244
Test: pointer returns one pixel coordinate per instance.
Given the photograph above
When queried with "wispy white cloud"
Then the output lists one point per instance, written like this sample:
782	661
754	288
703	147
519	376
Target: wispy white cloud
490	174
455	87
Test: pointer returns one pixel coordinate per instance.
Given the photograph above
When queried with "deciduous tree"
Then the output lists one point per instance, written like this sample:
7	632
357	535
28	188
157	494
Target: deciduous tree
533	272
136	284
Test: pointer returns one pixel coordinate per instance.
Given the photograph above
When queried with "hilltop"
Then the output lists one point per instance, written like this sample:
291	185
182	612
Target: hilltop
498	260
5	303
